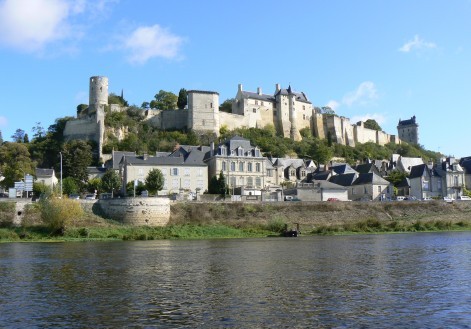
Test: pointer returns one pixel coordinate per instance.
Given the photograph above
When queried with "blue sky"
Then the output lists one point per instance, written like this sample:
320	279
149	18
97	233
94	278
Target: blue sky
386	60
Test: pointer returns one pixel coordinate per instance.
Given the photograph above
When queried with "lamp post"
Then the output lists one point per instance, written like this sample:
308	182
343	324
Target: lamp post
61	173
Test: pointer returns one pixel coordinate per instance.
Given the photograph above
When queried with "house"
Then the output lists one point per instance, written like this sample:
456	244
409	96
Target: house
465	163
370	187
96	172
46	177
291	170
453	177
425	182
319	191
242	164
183	170
404	164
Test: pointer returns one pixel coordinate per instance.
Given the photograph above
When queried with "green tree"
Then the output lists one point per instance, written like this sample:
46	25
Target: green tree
77	156
145	105
372	124
164	100
217	185
115	99
60	214
69	186
38	131
26	139
155	181
396	177
15	162
182	98
81	108
139	188
226	106
94	184
18	136
1	138
110	182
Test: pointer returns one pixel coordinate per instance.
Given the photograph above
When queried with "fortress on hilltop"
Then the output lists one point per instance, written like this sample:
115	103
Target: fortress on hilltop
286	110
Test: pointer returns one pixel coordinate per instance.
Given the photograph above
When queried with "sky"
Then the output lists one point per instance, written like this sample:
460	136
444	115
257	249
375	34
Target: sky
383	60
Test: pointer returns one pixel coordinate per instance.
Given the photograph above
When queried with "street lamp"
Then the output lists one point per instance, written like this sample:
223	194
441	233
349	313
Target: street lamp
61	173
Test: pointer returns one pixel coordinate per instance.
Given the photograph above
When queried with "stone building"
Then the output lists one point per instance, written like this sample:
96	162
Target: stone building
408	130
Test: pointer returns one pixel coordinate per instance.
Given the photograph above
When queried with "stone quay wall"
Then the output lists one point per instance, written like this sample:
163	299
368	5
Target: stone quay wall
135	211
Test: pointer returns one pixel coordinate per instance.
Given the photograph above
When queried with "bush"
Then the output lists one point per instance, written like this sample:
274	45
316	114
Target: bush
58	214
276	225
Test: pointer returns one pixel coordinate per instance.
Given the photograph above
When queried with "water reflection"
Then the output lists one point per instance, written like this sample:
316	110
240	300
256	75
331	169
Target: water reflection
351	281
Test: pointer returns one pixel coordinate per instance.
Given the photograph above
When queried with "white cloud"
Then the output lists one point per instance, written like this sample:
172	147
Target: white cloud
334	105
379	118
365	94
147	42
30	24
417	44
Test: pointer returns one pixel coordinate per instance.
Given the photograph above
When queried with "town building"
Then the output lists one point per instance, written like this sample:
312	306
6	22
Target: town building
46	177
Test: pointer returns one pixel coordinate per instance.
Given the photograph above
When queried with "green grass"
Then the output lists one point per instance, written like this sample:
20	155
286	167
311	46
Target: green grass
378	226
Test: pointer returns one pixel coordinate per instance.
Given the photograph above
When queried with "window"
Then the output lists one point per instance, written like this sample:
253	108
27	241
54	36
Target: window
233	166
241	181
256	102
258	181
249	181
203	122
223	150
233	181
379	189
174	172
211	105
241	166
304	107
200	172
269	173
425	185
175	184
224	166
186	183
254	110
187	172
304	116
303	173
262	103
200	184
292	173
249	167
140	172
257	167
353	190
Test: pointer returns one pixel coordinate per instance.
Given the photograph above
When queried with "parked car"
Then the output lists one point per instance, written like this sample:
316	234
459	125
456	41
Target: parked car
333	199
400	198
74	196
448	199
90	197
427	198
464	198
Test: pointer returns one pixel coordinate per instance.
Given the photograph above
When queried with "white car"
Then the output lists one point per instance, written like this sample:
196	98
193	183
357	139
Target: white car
427	198
90	197
448	199
464	198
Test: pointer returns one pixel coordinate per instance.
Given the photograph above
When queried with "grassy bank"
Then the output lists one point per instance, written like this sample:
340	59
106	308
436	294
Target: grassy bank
220	220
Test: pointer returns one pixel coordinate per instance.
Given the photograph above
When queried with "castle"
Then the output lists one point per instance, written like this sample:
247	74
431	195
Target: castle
286	110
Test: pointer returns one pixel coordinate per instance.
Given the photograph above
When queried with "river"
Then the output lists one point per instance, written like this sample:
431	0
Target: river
362	281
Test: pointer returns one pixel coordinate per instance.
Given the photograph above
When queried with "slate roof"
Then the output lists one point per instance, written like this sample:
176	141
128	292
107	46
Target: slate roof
42	172
466	165
406	163
342	169
324	184
96	170
193	158
300	97
366	168
370	178
418	171
262	97
116	158
407	122
343	179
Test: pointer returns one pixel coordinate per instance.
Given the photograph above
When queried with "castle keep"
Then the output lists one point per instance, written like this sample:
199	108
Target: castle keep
286	110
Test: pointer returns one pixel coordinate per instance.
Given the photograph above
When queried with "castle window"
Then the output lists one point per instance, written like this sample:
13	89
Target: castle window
241	166
224	166
304	107
304	116
254	110
211	105
249	167
233	166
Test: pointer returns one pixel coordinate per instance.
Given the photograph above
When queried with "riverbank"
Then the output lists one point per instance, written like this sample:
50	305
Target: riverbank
195	220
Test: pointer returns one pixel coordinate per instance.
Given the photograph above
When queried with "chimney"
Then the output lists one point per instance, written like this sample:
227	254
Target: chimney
277	87
212	148
259	90
240	87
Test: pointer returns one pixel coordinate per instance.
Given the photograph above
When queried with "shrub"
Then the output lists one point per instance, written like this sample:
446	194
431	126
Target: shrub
58	214
276	225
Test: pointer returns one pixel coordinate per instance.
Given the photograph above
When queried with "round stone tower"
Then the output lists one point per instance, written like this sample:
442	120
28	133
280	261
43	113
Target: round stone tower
98	94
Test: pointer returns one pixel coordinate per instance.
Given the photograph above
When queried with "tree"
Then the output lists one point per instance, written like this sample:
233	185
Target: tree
26	139
145	105
94	184
182	99
69	186
164	100
18	136
115	99
15	162
1	138
81	108
155	181
139	188
226	106
38	131
217	185
396	177
372	124
77	156
327	110
110	182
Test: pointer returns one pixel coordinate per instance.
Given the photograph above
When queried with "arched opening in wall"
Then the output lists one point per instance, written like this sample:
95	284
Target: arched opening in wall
19	213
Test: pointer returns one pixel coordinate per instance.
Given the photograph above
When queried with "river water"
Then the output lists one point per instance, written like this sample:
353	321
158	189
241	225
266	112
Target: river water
364	281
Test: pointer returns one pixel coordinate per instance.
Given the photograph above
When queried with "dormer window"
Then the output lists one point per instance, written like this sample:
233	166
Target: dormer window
222	150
